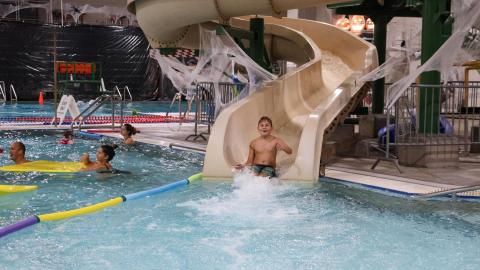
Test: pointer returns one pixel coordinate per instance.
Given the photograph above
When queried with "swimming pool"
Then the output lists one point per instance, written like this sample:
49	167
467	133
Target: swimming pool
247	224
34	109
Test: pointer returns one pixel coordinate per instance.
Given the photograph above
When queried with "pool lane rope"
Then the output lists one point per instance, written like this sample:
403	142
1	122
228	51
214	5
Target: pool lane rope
32	220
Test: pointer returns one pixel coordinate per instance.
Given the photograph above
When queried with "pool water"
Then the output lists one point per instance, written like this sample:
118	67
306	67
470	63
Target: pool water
249	223
34	109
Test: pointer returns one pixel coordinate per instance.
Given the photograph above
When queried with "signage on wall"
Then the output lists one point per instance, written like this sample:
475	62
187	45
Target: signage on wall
76	67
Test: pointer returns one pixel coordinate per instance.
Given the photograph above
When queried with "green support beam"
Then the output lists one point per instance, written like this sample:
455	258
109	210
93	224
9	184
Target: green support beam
380	41
256	47
436	28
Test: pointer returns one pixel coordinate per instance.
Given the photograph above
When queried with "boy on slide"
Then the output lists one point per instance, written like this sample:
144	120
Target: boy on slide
262	152
104	155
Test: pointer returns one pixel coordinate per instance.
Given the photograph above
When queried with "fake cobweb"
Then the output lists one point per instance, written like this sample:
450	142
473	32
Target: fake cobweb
462	46
75	11
221	61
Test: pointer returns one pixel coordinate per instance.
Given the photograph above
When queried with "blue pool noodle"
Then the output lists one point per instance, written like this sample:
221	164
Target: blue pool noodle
29	221
90	135
154	191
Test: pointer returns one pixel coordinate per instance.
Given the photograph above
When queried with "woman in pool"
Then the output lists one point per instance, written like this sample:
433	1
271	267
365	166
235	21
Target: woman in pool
127	132
105	153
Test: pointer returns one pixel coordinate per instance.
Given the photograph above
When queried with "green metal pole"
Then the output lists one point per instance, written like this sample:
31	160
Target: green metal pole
432	39
257	51
380	41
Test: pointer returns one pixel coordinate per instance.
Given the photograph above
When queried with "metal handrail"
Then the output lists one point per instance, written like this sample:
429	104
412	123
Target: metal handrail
12	90
177	96
118	92
2	90
453	191
96	104
127	90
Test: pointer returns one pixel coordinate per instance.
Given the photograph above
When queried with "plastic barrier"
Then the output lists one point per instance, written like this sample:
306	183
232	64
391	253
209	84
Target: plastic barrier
6	230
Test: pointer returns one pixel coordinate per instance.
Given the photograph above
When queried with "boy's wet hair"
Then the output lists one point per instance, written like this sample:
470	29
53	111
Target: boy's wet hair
109	150
265	118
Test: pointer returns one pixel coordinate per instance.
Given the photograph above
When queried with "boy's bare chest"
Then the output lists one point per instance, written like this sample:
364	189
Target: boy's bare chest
265	146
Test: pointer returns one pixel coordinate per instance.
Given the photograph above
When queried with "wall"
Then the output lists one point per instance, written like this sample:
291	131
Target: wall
27	54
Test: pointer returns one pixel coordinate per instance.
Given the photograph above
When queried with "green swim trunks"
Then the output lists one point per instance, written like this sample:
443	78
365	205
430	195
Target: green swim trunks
264	169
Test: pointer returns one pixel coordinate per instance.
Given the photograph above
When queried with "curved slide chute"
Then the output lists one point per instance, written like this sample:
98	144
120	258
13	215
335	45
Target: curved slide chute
304	104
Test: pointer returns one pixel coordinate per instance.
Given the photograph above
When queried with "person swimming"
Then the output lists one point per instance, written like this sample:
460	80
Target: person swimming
104	155
17	153
127	132
67	137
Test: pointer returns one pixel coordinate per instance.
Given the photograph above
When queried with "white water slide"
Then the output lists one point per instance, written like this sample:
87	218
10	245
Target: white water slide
304	104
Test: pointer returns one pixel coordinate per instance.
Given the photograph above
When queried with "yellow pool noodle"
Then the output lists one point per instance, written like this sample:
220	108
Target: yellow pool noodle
80	211
44	166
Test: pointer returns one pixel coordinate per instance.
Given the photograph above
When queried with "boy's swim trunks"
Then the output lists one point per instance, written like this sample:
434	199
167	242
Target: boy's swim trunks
264	169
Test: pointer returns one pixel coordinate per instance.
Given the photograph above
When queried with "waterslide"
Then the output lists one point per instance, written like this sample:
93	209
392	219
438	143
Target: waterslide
304	104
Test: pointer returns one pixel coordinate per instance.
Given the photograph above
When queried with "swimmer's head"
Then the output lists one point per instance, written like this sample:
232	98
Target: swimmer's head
17	151
68	134
128	130
106	152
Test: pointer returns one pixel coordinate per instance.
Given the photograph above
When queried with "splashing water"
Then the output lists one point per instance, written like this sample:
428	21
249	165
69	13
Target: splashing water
253	199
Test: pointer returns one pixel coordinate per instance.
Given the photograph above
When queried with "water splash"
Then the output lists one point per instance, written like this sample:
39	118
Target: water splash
253	199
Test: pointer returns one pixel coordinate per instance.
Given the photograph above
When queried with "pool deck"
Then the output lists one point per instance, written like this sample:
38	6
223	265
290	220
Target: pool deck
349	170
167	134
412	180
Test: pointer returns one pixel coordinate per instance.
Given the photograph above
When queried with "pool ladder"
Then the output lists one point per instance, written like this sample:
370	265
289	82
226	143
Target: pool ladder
126	91
473	191
3	92
94	106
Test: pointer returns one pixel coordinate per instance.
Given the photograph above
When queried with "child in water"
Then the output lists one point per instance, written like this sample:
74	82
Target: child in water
127	132
105	154
262	152
67	137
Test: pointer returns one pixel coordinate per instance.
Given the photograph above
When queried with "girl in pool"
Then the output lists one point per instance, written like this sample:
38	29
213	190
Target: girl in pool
105	153
127	132
67	137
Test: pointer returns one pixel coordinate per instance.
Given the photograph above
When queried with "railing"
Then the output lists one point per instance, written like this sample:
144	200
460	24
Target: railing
2	91
125	92
205	103
13	93
431	122
204	109
176	98
468	191
94	106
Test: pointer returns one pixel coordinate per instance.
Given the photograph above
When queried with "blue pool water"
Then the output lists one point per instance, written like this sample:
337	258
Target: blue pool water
34	109
246	224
